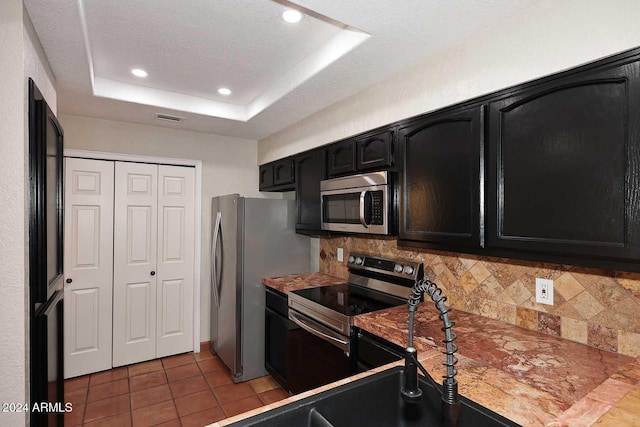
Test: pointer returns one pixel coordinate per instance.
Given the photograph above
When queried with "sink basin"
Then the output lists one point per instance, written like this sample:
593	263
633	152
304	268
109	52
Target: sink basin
373	401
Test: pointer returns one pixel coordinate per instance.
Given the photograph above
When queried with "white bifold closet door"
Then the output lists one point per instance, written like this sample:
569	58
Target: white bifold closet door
88	266
153	261
135	240
128	263
175	260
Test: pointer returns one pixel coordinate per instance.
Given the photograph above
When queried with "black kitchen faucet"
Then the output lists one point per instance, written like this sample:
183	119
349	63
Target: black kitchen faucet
410	391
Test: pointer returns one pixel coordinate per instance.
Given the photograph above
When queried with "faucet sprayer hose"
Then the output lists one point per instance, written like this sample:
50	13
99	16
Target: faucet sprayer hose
435	293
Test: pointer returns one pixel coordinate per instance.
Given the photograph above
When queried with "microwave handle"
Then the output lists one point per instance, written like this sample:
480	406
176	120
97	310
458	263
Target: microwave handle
363	221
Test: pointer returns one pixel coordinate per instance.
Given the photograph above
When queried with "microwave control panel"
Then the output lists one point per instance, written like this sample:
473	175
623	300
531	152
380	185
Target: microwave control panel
377	208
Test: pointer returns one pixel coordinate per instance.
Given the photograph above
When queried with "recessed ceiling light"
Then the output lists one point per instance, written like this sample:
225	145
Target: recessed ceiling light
224	91
292	16
138	72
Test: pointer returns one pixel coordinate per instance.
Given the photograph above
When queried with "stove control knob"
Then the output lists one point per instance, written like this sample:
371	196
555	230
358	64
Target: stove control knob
408	269
359	261
351	259
398	268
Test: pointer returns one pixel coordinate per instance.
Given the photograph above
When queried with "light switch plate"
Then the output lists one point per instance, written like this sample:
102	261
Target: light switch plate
340	255
544	291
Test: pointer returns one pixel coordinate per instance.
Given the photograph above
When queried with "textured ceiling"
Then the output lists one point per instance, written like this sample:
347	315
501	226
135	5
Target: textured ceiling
279	73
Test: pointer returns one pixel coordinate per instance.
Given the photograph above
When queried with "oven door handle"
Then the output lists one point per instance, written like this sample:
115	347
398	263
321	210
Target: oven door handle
363	221
308	325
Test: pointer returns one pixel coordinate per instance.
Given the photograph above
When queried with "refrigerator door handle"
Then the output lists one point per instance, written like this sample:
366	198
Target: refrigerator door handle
216	260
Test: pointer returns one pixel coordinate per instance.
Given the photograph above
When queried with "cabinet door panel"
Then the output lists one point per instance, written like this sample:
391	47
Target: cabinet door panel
283	171
265	177
375	151
440	198
563	166
310	170
342	158
277	176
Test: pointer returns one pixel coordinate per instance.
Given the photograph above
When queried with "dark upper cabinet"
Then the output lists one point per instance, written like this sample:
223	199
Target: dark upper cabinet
563	163
341	158
311	168
548	170
375	151
265	180
277	176
440	178
372	151
283	172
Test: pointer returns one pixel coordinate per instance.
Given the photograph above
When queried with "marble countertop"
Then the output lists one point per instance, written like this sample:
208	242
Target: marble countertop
529	377
293	282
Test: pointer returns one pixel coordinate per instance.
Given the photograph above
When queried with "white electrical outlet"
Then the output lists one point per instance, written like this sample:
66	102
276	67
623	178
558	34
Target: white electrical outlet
544	291
340	255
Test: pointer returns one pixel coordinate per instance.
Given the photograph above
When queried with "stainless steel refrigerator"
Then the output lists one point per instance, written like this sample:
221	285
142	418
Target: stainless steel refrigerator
251	239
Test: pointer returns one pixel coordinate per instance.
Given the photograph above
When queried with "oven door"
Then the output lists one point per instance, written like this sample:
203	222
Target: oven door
356	210
316	355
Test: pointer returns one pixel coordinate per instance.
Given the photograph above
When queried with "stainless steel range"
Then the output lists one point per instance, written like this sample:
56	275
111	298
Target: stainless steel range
323	346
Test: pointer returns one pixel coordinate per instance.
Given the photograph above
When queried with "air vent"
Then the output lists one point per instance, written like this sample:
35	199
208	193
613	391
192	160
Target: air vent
169	118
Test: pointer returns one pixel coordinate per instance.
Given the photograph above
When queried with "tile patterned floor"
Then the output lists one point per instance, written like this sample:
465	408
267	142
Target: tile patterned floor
184	390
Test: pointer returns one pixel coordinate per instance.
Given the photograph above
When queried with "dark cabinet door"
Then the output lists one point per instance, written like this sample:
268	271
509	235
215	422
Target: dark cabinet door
277	176
564	162
375	151
440	185
283	171
277	326
311	168
341	158
265	180
374	351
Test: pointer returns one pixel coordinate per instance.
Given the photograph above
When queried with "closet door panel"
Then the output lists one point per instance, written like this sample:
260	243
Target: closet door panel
138	319
176	257
134	277
88	266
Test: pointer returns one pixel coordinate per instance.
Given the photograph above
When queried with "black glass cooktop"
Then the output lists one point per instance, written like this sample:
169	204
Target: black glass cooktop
350	299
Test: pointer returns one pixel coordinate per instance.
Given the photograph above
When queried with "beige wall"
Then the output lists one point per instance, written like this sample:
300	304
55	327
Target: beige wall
36	65
22	57
13	188
228	166
549	37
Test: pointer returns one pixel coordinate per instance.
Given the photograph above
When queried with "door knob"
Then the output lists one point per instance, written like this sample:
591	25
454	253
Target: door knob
69	280
153	273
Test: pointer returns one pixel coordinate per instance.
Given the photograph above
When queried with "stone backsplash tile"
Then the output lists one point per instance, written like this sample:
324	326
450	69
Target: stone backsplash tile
574	330
602	337
628	342
597	307
527	318
549	324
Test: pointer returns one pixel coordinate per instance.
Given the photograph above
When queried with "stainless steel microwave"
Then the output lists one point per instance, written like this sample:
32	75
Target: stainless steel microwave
358	203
